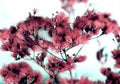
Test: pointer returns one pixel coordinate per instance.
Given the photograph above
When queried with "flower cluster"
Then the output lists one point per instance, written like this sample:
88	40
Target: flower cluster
20	73
112	77
63	35
116	56
55	64
13	43
68	4
40	58
92	23
82	80
19	39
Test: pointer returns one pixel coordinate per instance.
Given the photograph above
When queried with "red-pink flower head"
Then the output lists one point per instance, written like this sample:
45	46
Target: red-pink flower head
62	20
112	77
68	4
55	64
19	72
40	58
80	59
116	56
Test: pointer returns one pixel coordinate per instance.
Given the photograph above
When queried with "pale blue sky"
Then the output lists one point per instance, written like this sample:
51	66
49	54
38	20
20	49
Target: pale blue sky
12	11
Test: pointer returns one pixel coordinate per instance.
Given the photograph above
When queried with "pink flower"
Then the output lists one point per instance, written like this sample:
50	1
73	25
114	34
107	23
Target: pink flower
85	80
105	71
10	73
98	24
112	78
85	1
19	72
63	36
40	58
48	44
68	4
116	56
80	59
55	64
63	80
65	44
100	55
5	35
48	23
49	81
61	20
36	48
59	30
35	78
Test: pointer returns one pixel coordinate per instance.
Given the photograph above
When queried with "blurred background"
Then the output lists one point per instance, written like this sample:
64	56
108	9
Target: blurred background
14	11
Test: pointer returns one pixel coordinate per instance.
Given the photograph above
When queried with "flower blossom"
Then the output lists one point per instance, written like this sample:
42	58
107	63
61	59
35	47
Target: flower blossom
112	77
116	56
20	73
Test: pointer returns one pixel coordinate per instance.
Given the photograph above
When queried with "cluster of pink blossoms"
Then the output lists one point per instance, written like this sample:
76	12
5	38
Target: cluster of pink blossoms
112	77
116	56
23	37
68	4
20	73
83	80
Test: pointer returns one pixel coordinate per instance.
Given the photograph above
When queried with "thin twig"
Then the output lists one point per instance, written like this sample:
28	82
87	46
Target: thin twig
61	55
37	63
71	74
49	52
96	36
30	58
42	67
53	55
66	61
71	47
65	54
78	51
